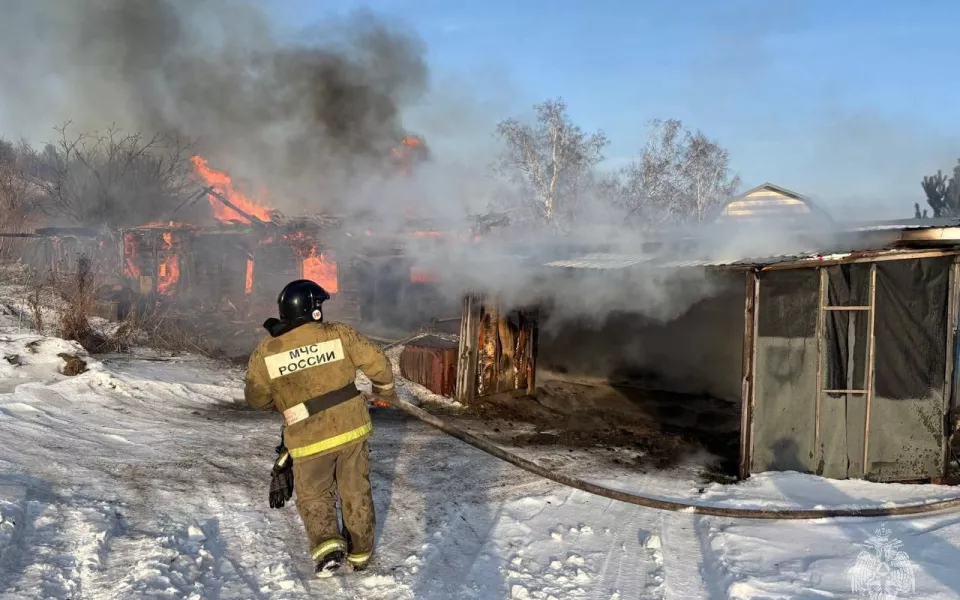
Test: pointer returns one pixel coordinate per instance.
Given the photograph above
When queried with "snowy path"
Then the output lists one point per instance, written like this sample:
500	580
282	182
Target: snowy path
144	479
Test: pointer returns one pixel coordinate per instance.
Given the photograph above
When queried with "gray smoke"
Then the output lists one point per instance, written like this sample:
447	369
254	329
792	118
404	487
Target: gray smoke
302	118
304	126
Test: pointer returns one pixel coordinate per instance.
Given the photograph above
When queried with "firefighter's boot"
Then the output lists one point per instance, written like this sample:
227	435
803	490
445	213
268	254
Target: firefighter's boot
330	564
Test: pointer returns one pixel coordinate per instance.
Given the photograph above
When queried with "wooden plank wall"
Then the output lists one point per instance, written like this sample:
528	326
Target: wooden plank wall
497	350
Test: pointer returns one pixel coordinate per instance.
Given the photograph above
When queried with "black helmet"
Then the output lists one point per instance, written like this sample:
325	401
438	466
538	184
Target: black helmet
301	300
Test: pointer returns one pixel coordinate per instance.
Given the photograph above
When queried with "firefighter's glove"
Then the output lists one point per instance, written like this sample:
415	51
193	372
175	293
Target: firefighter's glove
385	392
281	479
380	398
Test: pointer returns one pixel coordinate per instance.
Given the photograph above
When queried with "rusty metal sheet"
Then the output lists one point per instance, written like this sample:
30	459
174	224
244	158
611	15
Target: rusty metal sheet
431	362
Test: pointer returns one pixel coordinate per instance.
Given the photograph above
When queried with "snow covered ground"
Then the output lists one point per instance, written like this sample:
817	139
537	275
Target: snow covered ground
146	477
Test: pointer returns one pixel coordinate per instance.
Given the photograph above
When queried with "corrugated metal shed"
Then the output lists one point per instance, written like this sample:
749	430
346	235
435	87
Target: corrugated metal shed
598	260
624	261
903	224
627	261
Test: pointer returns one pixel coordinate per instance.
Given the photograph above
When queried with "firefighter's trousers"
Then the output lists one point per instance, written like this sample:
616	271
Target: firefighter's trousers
317	482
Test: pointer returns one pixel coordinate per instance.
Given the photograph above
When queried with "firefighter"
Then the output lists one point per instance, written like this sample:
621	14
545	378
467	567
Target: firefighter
306	369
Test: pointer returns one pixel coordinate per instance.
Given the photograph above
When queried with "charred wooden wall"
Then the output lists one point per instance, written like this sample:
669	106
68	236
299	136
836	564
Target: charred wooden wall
345	304
388	295
274	266
243	269
154	260
53	252
217	269
497	351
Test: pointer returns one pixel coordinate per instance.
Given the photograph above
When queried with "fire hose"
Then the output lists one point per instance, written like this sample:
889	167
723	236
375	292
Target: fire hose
668	505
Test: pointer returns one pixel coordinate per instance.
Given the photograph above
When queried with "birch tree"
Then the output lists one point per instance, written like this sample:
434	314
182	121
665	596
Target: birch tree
552	159
680	176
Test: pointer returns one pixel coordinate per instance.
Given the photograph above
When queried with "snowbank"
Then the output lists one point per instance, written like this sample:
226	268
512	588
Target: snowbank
145	477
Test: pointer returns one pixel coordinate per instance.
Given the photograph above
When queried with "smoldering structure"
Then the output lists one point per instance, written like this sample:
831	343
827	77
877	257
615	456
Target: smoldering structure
839	360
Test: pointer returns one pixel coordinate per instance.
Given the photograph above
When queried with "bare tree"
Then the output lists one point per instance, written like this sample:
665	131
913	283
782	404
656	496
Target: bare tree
679	176
112	178
16	196
552	159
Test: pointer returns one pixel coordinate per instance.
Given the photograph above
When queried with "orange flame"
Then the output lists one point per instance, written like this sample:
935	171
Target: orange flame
222	183
168	271
248	289
421	276
316	266
321	271
130	268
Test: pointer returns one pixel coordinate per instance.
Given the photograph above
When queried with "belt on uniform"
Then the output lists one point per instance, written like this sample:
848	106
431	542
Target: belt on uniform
301	411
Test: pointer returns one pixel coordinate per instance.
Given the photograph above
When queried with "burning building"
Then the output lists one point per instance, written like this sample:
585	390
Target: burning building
247	252
240	264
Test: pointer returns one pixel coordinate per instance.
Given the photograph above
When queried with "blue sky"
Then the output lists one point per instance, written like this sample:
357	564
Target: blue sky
850	101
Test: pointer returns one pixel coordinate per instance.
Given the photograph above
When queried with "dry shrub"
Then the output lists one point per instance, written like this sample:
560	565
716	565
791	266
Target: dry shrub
79	292
157	329
149	326
37	286
36	308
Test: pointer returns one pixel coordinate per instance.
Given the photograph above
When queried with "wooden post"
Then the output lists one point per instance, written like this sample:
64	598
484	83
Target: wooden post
466	386
871	319
950	376
821	325
155	279
533	322
490	365
748	371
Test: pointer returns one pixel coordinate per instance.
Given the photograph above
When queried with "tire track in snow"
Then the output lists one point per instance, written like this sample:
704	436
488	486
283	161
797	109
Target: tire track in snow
13	529
682	558
620	559
56	546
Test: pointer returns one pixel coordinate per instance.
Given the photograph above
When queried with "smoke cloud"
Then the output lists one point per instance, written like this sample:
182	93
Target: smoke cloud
302	119
304	125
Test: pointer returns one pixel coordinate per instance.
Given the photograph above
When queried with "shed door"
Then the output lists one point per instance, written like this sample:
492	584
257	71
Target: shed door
785	372
910	398
813	348
846	323
885	358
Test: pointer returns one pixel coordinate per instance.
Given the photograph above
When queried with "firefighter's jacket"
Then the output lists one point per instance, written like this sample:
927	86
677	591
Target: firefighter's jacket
317	361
